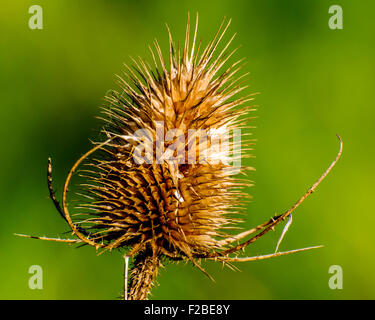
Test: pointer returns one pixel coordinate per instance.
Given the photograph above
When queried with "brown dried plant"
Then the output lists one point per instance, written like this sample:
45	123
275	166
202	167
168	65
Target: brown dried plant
169	210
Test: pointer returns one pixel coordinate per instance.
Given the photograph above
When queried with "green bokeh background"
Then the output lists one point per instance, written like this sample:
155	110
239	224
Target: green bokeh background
313	82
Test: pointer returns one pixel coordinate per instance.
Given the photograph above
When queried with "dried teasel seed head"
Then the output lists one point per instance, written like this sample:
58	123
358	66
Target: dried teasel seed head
176	205
163	183
177	195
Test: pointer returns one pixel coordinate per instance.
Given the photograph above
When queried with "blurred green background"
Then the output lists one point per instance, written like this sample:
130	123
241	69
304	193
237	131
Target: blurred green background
313	82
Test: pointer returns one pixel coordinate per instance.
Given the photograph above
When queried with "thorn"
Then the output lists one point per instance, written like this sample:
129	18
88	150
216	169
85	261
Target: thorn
286	227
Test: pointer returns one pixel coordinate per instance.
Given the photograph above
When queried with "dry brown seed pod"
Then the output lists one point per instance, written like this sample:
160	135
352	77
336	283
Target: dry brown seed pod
177	207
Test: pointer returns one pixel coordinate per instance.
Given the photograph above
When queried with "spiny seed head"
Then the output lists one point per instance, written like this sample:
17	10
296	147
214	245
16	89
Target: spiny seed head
180	205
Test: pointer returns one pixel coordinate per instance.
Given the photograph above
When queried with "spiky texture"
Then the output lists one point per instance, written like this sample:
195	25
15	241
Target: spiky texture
170	206
174	209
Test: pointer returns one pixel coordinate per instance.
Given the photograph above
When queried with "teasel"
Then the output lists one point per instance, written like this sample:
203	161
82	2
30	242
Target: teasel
159	211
